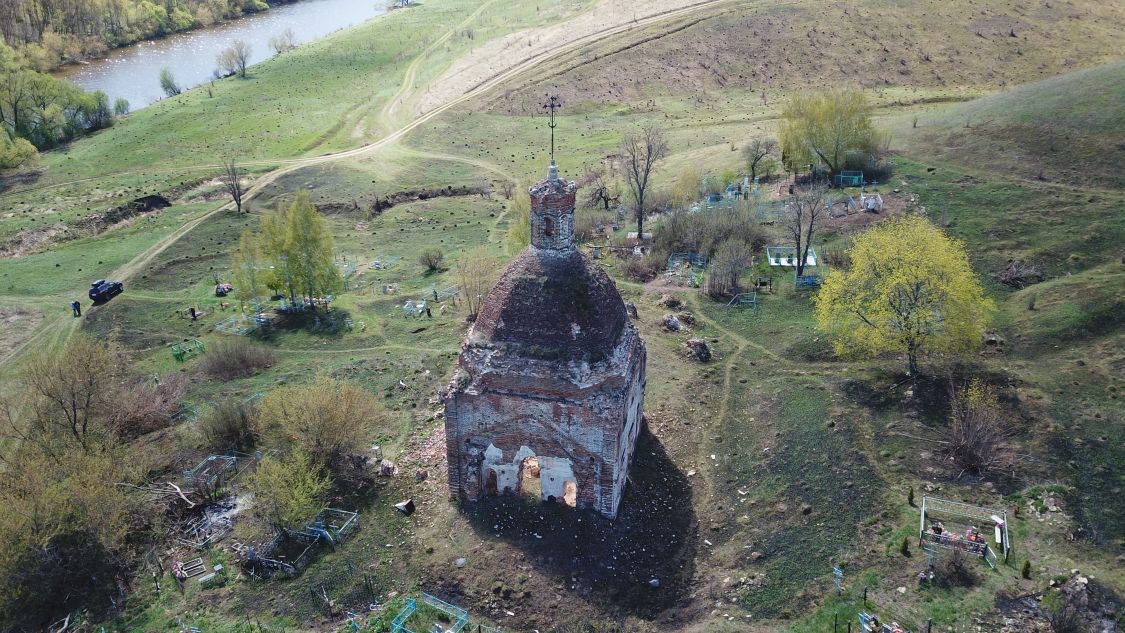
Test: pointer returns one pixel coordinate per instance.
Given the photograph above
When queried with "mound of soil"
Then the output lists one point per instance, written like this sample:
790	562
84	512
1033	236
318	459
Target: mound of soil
31	241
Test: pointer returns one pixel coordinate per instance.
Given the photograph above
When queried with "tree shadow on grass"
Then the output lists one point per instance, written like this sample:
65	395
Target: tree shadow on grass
332	323
614	563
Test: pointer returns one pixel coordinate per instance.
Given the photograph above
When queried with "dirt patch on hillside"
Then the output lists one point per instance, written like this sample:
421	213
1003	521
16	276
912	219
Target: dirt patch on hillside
31	241
16	324
502	54
379	204
770	48
857	220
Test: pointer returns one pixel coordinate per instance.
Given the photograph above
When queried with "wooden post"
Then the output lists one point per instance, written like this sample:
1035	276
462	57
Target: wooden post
865	596
929	625
835	618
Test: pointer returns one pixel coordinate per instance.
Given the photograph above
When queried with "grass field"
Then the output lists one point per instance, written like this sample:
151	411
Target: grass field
760	470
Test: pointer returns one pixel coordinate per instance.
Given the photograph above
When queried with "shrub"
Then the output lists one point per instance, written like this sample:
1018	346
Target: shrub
328	419
235	358
1019	274
431	259
168	83
730	260
1026	571
643	268
704	232
977	434
228	425
910	497
588	222
1061	611
905	547
14	153
142	406
289	491
954	569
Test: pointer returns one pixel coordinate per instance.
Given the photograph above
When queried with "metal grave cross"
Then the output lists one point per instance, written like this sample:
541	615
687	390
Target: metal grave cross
552	105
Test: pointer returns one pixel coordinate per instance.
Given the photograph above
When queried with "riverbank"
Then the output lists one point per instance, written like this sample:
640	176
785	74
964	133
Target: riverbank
132	72
51	48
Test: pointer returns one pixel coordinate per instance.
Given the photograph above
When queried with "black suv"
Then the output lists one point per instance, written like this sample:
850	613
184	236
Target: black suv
102	290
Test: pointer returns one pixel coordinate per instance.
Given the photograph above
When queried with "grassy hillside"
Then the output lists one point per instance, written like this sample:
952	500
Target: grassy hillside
1066	130
940	50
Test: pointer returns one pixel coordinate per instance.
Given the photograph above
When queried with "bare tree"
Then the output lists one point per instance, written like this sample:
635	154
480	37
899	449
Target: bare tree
756	151
977	435
640	151
65	397
507	187
283	41
232	180
804	211
475	271
599	191
235	58
731	258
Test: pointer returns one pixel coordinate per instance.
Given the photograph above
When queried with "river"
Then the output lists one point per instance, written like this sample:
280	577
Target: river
133	72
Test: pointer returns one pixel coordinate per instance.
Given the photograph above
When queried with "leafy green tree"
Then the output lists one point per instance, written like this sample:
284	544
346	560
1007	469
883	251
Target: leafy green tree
297	242
910	290
828	125
16	152
120	106
250	271
686	189
274	248
42	109
97	110
309	244
290	490
66	526
67	520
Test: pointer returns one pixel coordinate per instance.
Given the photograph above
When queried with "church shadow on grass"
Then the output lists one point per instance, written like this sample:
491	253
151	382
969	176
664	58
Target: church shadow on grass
612	562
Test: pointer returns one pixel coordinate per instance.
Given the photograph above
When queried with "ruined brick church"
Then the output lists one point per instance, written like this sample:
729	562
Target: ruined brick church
547	396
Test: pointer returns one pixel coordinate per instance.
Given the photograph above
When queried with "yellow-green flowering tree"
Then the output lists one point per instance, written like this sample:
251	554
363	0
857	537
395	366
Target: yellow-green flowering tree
910	290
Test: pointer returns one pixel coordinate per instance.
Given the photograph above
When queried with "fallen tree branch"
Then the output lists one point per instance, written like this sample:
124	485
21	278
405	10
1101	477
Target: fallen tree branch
920	439
161	491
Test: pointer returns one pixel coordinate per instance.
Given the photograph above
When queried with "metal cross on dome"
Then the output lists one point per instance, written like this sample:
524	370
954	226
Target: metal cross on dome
552	105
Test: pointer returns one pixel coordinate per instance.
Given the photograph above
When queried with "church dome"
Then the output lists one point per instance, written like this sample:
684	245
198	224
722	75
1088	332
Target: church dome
553	305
